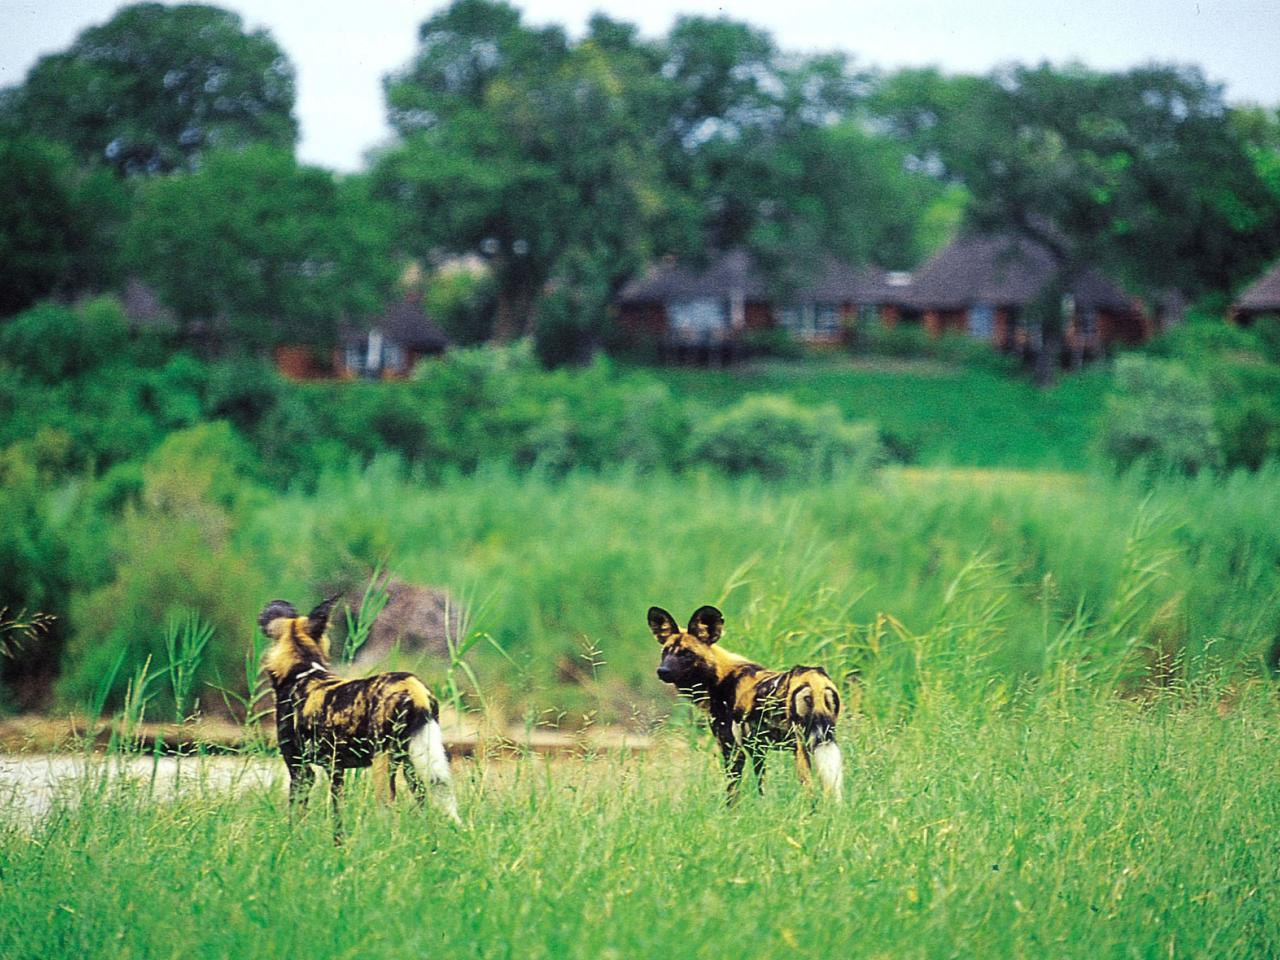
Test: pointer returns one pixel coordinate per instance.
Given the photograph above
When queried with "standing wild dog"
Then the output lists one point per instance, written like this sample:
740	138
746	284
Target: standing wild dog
337	724
752	709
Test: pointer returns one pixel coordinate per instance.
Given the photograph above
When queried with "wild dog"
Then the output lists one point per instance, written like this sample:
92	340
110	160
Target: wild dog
752	709
337	724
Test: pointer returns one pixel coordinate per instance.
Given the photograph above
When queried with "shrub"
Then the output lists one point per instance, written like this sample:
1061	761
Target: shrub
243	390
52	342
902	340
776	438
462	303
1250	432
775	342
1160	418
564	328
174	551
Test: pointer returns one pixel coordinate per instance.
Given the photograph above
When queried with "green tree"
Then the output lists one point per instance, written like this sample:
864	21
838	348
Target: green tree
515	144
1140	172
156	86
57	222
265	249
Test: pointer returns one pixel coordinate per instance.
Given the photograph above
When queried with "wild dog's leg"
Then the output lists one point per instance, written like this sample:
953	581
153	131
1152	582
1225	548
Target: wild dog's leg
400	760
430	762
757	766
301	777
337	776
735	760
803	765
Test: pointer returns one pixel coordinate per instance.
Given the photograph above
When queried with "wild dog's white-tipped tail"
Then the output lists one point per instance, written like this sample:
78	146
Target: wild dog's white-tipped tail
426	752
829	766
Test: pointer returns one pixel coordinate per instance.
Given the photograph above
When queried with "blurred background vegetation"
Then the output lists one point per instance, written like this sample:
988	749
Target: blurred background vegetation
151	465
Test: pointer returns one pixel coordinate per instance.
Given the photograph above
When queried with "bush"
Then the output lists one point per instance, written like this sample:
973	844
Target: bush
463	304
51	342
775	342
902	340
1160	418
776	438
243	390
1250	432
564	328
174	551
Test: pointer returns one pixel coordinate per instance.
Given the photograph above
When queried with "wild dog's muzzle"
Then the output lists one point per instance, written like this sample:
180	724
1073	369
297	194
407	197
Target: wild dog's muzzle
821	730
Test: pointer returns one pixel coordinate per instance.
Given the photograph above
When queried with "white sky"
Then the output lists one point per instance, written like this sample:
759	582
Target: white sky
341	50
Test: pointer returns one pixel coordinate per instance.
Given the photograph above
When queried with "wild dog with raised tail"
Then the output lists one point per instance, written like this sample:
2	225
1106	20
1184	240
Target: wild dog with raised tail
752	709
337	724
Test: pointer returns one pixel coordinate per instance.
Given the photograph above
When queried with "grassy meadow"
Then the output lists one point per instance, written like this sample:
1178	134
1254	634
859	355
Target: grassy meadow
931	411
1069	826
1060	706
1059	736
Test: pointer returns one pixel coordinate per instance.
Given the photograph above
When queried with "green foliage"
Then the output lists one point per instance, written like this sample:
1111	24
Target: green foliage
57	223
462	302
174	551
774	437
1160	418
530	154
1144	171
155	87
775	342
1241	369
263	249
53	343
242	390
942	413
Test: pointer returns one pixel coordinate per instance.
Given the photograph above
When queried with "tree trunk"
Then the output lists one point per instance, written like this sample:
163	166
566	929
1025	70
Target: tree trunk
517	287
1047	360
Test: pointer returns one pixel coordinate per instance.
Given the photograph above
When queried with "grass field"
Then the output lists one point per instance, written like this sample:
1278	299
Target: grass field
1067	827
943	413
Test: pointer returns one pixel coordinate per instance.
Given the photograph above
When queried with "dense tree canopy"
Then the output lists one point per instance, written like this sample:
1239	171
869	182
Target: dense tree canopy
154	87
570	163
520	146
57	222
273	251
1143	170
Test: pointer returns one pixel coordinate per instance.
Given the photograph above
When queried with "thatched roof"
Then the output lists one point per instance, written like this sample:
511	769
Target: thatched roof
735	273
1001	270
1263	296
143	308
407	324
404	323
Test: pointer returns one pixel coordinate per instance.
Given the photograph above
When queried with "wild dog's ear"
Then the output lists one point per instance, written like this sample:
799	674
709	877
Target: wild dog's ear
276	610
707	623
662	624
318	619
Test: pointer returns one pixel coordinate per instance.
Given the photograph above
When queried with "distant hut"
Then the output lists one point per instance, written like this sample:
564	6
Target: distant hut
393	344
386	349
1262	297
705	312
982	285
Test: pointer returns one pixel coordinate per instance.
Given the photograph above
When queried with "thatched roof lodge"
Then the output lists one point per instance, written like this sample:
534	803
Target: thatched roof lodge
385	349
1261	297
983	284
714	306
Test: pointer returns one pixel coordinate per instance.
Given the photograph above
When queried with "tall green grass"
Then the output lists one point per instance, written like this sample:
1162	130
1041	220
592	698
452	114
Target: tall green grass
1184	578
1088	829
